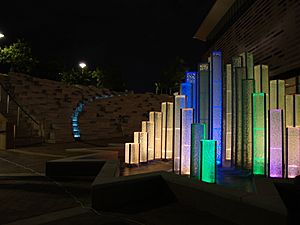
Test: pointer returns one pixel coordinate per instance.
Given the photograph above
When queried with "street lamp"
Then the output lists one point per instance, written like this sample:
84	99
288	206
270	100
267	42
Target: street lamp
82	65
1	35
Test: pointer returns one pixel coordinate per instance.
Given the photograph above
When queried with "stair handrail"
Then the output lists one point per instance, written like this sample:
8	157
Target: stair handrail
14	100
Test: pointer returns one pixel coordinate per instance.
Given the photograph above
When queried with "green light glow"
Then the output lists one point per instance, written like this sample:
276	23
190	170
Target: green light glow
208	161
259	133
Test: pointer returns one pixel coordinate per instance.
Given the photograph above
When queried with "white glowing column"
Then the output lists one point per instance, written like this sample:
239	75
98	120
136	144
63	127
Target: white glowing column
289	109
293	149
141	138
228	138
186	122
148	127
132	153
167	130
155	117
276	143
297	110
180	102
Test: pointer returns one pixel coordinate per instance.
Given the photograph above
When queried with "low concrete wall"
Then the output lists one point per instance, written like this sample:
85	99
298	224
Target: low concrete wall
113	194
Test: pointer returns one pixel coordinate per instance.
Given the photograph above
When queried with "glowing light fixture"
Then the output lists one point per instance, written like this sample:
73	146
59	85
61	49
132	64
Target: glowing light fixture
297	110
132	153
293	150
187	90
259	133
198	134
208	160
216	102
228	138
203	99
148	126
276	143
141	139
191	77
82	65
155	117
289	109
179	103
186	122
167	130
2	35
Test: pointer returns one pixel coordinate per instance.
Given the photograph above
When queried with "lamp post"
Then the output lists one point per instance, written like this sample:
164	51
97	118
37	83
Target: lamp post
82	65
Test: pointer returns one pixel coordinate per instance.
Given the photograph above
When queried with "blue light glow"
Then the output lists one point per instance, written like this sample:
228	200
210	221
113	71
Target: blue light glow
186	89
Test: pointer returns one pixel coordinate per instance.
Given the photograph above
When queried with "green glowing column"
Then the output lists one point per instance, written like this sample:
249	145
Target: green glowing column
297	110
277	101
236	63
259	134
198	134
208	160
240	76
204	95
167	130
248	89
261	77
228	114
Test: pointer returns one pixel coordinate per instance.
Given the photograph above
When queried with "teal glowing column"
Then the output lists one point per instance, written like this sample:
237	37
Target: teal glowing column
187	90
179	103
276	150
208	160
216	102
198	134
259	141
185	128
204	95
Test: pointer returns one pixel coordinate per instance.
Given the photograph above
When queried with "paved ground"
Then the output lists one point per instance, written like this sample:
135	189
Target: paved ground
28	197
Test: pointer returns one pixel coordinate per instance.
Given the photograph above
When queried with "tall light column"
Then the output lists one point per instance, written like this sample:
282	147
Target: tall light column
228	138
276	151
216	102
187	90
186	122
148	126
204	96
179	103
142	139
167	130
293	151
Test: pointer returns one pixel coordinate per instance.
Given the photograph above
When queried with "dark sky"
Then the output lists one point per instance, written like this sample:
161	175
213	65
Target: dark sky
140	37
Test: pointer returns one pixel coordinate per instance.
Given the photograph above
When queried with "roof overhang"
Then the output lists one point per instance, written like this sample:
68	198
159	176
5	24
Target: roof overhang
213	18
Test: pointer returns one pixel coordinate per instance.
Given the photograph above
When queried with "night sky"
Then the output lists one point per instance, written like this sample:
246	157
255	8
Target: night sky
138	37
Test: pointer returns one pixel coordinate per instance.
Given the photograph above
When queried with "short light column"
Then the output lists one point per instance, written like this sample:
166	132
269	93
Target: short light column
208	161
148	127
132	153
141	138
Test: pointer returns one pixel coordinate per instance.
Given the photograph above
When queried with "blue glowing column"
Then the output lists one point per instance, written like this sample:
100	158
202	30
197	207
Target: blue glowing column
187	90
191	78
186	122
203	96
198	134
179	103
216	103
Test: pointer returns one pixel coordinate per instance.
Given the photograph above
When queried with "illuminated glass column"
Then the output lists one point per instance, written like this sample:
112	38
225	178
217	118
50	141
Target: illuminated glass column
179	103
248	89
141	138
277	101
259	134
236	63
208	160
289	109
155	118
187	90
247	62
167	130
216	102
132	153
198	134
204	96
261	77
186	122
276	151
293	151
240	76
148	126
191	78
297	110
228	138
